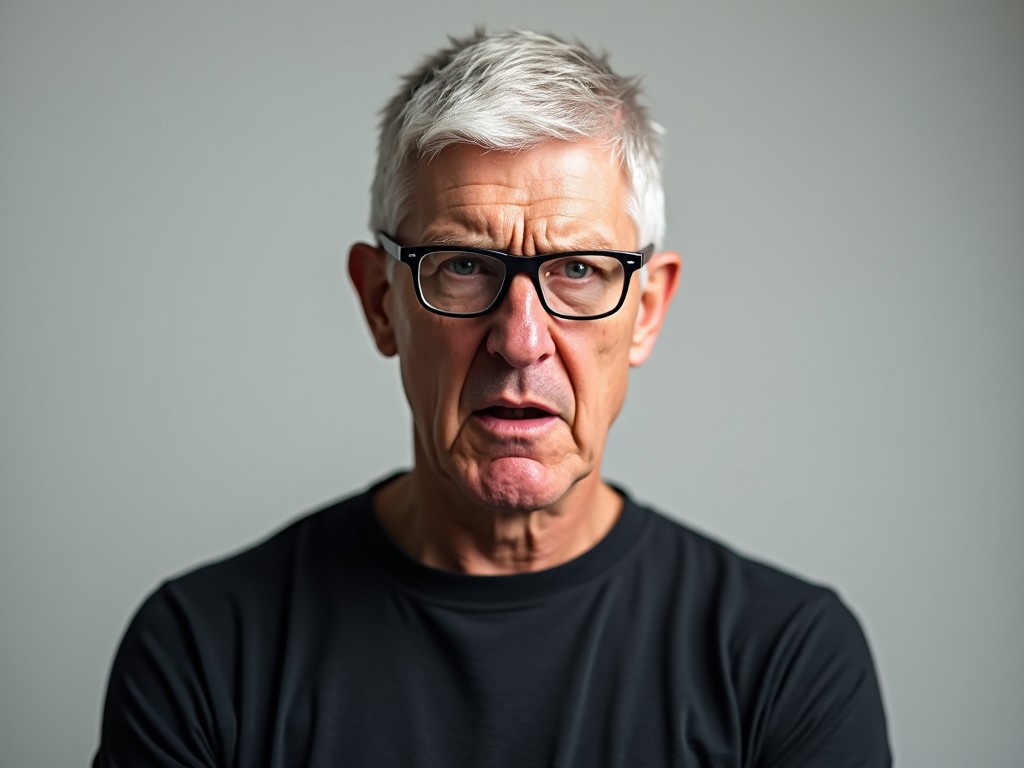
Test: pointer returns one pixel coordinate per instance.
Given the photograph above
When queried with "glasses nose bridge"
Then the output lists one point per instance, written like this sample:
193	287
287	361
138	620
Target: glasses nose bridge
521	265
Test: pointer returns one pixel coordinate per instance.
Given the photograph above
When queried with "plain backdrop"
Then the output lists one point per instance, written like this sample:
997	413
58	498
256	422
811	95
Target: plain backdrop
839	388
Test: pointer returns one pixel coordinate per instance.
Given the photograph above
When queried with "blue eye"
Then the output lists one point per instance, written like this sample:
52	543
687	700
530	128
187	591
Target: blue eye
462	266
577	269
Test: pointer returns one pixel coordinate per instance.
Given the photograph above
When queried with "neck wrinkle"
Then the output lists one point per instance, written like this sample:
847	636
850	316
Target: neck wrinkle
410	511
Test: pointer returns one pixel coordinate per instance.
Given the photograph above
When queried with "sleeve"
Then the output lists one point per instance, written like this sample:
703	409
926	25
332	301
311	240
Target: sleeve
825	708
156	711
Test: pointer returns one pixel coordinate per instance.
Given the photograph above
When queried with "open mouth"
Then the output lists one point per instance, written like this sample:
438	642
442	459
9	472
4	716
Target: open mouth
516	414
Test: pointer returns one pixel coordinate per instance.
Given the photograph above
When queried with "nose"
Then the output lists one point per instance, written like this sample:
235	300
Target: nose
520	332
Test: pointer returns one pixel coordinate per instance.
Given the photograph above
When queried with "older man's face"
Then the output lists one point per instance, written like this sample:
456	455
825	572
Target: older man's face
513	408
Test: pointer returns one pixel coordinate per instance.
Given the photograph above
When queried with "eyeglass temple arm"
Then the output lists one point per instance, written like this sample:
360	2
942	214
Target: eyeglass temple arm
390	246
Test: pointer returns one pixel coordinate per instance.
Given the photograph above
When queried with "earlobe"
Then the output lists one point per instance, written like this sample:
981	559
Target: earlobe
662	280
368	272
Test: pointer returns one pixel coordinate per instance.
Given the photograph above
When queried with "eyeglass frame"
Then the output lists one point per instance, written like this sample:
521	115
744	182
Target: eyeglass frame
410	255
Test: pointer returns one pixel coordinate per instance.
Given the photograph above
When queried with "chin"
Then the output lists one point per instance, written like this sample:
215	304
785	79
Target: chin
516	484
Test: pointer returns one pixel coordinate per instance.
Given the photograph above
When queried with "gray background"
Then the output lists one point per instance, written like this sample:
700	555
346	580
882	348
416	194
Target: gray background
839	388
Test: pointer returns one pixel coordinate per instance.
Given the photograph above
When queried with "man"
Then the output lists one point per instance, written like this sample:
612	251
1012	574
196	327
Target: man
500	604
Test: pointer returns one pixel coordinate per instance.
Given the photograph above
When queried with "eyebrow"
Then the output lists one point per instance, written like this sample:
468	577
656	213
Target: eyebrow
471	241
595	243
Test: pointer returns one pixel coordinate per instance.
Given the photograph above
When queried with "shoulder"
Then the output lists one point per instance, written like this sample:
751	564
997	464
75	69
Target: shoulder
207	609
791	654
173	693
748	599
699	562
217	598
264	573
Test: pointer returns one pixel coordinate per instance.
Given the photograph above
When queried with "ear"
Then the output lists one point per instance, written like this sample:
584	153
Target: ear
367	268
662	280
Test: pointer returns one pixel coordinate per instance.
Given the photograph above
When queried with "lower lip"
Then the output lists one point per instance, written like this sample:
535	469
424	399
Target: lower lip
518	427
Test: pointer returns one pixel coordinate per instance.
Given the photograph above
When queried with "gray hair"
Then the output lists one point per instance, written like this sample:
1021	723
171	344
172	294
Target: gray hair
512	92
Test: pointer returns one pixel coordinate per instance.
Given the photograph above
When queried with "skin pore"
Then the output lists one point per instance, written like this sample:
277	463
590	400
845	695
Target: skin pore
510	410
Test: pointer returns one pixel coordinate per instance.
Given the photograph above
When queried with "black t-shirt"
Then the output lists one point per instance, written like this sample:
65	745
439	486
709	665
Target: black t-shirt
327	646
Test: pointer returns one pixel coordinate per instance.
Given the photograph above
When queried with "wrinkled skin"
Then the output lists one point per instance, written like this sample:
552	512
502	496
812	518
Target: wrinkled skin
495	476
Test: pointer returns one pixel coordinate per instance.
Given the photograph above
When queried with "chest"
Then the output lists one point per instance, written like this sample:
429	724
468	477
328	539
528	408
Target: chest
594	678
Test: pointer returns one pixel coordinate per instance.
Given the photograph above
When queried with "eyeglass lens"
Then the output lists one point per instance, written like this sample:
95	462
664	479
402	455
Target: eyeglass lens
464	283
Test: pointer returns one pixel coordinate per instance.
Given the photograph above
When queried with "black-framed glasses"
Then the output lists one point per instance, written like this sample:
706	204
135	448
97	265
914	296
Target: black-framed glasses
458	281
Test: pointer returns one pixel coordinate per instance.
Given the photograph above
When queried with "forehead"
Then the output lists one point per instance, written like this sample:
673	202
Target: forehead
556	196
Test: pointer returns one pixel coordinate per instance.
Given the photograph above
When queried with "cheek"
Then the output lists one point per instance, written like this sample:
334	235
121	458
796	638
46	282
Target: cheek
433	357
416	347
598	364
614	377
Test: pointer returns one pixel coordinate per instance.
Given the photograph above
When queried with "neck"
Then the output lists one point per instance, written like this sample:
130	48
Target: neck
437	526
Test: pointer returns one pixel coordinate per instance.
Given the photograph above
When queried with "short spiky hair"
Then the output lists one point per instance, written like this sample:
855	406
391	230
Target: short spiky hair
513	91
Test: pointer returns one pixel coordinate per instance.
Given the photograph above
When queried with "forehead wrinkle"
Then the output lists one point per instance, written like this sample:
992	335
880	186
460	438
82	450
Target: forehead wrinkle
515	191
577	207
564	186
523	209
508	214
515	227
556	244
474	224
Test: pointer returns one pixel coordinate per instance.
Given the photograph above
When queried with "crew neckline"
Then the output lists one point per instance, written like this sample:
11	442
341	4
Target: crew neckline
501	591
